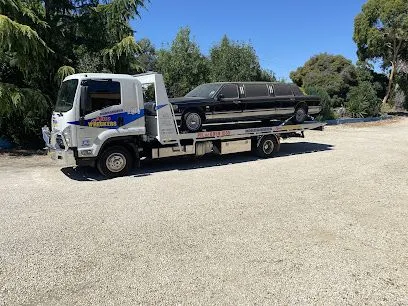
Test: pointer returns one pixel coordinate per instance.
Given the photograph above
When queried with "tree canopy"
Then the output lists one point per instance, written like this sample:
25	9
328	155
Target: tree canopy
183	65
42	41
381	33
333	73
232	61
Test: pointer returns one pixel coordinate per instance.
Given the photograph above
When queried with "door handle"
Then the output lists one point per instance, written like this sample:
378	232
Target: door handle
120	121
237	102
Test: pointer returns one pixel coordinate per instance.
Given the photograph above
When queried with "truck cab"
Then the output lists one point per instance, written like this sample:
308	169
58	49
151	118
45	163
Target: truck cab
92	108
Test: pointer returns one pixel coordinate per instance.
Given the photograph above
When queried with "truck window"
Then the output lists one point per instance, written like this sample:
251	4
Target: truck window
66	96
230	91
282	90
103	94
256	90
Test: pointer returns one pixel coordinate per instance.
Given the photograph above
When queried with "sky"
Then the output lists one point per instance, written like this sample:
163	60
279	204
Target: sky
285	34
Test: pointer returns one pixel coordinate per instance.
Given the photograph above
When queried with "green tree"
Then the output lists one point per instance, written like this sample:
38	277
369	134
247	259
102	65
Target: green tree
21	48
233	61
266	75
381	33
363	101
333	73
182	65
402	90
365	73
325	101
147	57
42	41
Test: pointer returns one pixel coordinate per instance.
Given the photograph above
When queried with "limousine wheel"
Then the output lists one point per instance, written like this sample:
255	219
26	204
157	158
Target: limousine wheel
266	146
192	121
300	114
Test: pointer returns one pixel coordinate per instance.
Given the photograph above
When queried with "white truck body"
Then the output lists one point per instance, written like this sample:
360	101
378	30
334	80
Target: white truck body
81	138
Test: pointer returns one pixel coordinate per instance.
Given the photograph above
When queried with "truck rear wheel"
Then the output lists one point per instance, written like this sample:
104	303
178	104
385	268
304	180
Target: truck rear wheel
267	146
114	162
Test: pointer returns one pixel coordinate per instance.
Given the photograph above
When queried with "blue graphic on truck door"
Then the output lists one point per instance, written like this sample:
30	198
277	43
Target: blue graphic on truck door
113	121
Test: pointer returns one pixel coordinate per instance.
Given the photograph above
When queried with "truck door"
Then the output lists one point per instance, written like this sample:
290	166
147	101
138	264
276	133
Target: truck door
104	110
228	104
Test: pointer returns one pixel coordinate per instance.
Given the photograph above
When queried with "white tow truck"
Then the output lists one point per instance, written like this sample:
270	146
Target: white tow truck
100	121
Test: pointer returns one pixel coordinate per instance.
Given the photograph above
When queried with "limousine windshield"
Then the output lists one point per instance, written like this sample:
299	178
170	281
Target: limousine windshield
204	91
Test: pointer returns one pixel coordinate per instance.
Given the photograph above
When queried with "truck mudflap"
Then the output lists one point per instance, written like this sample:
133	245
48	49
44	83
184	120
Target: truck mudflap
64	157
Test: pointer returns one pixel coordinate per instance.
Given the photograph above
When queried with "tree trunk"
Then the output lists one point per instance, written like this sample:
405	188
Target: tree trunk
390	83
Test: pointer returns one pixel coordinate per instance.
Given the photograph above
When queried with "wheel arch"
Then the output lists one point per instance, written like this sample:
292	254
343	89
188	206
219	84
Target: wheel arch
128	142
198	109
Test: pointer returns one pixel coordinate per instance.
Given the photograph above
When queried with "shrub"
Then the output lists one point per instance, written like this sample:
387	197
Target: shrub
325	102
362	101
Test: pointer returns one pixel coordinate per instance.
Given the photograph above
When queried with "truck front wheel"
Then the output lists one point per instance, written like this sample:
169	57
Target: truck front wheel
114	162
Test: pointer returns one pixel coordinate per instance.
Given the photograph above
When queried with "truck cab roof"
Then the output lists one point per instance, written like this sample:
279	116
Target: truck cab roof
98	76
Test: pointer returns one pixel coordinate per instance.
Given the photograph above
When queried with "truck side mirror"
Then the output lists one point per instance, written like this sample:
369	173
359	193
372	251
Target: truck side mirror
85	103
220	97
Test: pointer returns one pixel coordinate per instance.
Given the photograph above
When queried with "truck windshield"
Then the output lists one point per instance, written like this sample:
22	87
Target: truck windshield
204	91
66	96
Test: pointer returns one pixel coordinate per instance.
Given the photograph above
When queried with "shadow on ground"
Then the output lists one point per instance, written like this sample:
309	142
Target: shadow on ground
399	114
149	167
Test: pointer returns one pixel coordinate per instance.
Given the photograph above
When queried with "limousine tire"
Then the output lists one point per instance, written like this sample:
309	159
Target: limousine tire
267	146
300	114
192	121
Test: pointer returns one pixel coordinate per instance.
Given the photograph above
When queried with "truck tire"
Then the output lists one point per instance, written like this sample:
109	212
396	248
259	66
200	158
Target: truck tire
114	162
266	146
192	121
300	114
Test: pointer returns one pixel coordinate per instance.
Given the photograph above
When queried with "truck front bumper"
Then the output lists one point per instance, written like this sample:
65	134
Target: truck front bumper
63	156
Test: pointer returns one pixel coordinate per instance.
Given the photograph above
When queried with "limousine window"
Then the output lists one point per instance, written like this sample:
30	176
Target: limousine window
204	91
282	90
230	91
256	90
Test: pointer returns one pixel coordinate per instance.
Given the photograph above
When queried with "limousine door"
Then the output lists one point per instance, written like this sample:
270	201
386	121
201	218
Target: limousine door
228	104
259	100
285	100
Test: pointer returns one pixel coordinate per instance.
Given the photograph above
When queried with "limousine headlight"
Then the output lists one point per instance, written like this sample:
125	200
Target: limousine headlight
175	107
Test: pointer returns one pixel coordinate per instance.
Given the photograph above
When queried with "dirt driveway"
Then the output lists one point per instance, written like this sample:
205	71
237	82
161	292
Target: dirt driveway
325	227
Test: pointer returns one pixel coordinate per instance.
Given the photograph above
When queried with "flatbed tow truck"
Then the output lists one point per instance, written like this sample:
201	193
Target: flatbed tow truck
116	137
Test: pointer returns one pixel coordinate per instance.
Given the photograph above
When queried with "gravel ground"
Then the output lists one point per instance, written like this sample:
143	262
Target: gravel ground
327	227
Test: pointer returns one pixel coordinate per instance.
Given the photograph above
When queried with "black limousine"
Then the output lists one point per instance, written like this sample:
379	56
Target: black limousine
243	101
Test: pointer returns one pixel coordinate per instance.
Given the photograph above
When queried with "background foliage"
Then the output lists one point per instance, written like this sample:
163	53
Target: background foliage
43	41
